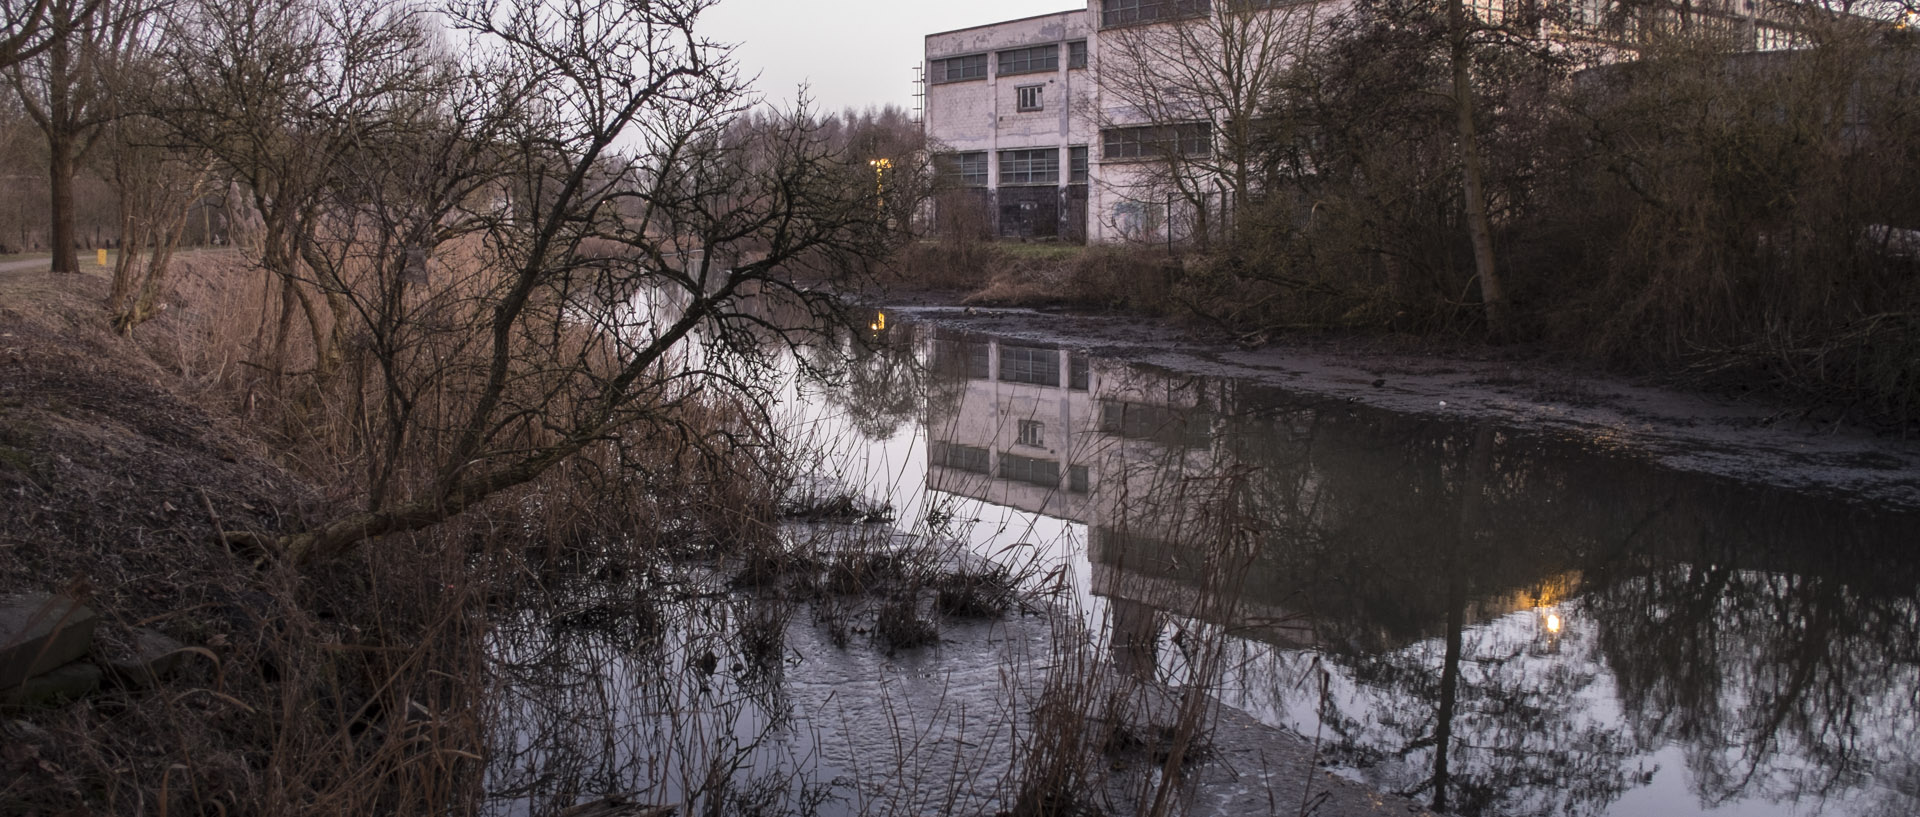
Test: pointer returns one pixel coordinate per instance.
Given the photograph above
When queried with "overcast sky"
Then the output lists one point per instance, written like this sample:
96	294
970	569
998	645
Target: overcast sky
854	53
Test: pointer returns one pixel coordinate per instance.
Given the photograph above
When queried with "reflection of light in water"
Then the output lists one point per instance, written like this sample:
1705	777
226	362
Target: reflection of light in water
1553	623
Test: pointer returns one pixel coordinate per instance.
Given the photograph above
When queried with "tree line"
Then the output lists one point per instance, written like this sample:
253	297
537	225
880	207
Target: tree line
1653	186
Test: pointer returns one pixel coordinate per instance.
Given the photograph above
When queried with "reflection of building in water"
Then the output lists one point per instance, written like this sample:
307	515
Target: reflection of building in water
1192	506
1004	425
1046	430
1772	637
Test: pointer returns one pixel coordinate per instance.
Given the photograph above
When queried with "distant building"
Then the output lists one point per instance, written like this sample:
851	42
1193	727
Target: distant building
1032	145
1004	106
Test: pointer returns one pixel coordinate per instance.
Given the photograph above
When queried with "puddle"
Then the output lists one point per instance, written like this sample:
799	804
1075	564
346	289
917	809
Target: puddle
1231	590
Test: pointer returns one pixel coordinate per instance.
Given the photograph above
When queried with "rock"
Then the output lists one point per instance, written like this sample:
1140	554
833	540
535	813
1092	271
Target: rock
146	658
19	732
41	632
617	805
67	683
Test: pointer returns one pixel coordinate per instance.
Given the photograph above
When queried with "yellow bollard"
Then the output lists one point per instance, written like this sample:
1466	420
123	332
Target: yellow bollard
103	257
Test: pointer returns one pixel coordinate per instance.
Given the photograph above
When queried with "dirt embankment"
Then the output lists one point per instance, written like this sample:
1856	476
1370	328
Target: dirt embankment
109	478
113	485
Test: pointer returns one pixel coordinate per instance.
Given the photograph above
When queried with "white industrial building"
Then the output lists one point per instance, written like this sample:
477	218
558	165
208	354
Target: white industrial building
1037	144
1003	105
1042	148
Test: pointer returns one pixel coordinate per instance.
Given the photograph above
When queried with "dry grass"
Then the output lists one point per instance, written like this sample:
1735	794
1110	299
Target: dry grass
359	687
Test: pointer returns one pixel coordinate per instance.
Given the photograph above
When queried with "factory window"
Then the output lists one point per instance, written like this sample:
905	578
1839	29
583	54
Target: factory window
964	169
1129	12
959	457
1077	54
1029	60
1033	433
1029	97
956	69
1150	141
1028	469
1077	165
1020	364
1030	166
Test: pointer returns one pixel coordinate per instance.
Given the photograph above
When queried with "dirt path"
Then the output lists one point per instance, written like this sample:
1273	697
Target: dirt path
26	264
1746	440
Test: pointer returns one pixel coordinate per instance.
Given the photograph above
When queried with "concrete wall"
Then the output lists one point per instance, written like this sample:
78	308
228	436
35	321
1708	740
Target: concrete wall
1123	201
983	115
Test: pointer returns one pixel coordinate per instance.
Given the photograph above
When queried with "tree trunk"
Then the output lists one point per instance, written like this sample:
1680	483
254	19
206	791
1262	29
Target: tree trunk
1479	231
1473	508
144	305
130	243
1449	689
60	181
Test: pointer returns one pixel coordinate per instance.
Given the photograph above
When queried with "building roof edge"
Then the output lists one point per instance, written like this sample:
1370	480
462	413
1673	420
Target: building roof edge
1004	22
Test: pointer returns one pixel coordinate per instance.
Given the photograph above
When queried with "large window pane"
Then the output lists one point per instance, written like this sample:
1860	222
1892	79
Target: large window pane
1030	166
956	69
1021	364
1030	60
1128	12
1152	141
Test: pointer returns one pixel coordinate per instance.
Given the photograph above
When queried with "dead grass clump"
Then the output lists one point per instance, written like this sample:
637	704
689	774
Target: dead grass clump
845	506
1124	277
760	639
779	567
1058	769
949	264
982	593
1096	277
861	571
900	625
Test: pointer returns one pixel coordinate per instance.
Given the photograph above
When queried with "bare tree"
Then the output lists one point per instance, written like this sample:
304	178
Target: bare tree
557	249
1460	30
279	91
1191	96
156	187
33	26
65	88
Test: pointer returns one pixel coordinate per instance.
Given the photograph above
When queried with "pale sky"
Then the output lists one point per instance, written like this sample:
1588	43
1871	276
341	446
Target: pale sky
855	53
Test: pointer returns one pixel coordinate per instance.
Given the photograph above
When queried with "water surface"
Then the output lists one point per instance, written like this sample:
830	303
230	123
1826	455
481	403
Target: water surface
1493	620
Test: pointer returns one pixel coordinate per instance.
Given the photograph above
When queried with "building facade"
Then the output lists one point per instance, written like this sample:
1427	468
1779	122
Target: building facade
1003	106
1055	127
1050	128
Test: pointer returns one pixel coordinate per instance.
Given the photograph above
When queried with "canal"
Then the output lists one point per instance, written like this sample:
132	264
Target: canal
1230	596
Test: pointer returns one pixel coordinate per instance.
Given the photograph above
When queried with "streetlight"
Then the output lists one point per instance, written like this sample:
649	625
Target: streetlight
880	168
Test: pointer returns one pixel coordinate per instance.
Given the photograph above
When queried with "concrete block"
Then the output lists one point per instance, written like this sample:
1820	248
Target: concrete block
41	632
68	683
618	805
146	658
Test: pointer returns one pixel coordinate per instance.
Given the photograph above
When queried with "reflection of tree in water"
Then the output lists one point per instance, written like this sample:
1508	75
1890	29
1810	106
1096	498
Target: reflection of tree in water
875	377
1410	551
1768	638
1788	686
1755	632
1376	533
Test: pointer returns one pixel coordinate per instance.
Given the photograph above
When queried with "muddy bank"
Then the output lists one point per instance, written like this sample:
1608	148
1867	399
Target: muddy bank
1748	440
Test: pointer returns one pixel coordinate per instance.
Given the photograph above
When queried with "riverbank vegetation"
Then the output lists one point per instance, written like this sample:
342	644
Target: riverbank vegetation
1684	206
488	312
